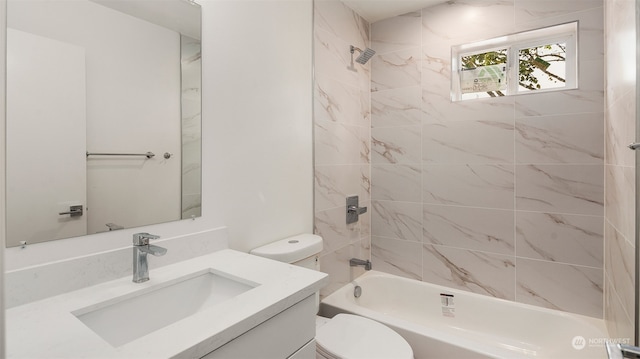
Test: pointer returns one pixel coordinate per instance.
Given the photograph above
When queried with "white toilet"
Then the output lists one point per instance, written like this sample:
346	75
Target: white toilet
345	336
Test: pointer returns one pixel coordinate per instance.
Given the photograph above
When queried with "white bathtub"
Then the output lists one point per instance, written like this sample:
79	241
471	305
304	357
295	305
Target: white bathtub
475	326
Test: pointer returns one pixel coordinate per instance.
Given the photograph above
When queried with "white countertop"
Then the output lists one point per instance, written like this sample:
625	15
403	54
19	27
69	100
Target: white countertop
48	329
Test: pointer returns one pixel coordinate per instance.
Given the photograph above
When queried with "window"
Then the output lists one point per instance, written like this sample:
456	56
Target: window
532	61
484	73
542	67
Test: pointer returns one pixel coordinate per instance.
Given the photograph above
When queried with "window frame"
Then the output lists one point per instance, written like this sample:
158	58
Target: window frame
566	33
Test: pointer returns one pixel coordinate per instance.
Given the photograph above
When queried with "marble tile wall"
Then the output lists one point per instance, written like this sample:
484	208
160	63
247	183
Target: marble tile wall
620	129
342	139
191	63
501	196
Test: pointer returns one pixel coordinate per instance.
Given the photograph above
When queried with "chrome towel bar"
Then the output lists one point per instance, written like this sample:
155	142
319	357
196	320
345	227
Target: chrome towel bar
147	155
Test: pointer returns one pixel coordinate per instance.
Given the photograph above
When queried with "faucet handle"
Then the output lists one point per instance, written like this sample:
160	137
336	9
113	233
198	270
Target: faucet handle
142	239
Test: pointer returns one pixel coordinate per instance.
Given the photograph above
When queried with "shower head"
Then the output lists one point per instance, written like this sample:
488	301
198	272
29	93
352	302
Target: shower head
364	55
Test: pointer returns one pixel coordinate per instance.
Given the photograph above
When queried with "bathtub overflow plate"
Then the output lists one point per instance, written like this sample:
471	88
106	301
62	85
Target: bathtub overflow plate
357	291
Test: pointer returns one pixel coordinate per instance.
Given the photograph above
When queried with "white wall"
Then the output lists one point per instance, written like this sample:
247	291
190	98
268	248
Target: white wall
3	7
257	106
257	142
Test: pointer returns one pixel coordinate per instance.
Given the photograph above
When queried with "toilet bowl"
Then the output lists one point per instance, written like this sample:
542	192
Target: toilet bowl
348	336
344	336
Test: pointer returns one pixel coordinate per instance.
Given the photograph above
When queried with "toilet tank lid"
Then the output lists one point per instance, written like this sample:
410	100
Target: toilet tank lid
292	249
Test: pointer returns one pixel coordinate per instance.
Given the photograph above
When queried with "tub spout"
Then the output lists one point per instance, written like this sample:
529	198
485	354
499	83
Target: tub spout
354	262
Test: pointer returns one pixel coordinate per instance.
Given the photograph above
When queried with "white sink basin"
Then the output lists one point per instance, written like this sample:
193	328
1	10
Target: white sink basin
124	319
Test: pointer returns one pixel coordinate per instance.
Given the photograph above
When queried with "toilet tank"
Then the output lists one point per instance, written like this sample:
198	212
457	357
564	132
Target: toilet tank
301	250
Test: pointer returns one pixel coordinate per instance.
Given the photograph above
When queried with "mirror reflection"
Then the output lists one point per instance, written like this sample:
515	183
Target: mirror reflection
103	116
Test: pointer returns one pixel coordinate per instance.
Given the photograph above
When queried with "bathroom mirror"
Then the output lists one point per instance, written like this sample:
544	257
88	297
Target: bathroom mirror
103	116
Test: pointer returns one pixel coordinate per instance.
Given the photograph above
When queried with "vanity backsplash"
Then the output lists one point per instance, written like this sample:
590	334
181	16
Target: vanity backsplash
29	284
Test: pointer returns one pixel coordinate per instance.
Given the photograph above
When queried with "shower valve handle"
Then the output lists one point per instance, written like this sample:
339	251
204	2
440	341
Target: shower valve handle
356	209
353	210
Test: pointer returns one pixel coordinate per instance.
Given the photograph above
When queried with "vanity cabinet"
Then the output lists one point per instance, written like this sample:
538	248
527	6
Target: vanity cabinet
289	334
273	318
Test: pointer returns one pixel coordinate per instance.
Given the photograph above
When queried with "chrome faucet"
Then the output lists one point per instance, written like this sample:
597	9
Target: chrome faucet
141	248
354	262
621	351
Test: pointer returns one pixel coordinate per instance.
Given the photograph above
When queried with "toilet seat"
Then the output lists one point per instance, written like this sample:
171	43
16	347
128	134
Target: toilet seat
349	336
